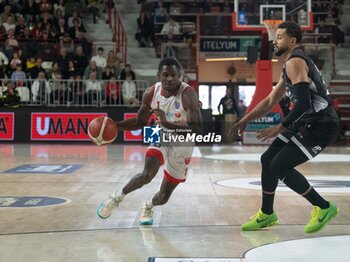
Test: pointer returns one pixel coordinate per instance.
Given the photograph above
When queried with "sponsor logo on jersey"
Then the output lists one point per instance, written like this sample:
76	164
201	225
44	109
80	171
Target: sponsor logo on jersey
316	149
169	115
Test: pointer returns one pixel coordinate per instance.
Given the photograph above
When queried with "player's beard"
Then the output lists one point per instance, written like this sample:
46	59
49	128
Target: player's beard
280	51
172	86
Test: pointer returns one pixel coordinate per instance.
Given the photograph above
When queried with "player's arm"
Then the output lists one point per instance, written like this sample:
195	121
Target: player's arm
297	71
262	108
193	114
143	114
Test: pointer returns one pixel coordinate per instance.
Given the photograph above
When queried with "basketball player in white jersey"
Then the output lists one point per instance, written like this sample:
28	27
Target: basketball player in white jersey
175	105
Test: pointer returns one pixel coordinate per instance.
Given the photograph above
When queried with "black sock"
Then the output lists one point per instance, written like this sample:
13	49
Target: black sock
315	199
267	203
297	182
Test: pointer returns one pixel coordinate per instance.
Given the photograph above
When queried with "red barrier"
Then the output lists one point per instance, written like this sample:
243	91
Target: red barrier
263	84
119	35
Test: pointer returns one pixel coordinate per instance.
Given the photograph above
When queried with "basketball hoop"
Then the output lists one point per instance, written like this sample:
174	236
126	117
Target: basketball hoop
271	27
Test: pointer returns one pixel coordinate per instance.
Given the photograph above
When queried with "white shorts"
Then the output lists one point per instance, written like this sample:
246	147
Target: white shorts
176	161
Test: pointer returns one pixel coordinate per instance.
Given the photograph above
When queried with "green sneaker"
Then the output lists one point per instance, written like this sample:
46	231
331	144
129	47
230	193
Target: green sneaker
320	218
260	220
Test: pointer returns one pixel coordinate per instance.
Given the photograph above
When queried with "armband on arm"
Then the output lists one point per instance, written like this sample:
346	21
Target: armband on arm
302	97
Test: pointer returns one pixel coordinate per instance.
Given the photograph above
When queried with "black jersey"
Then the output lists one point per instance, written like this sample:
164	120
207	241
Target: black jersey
319	99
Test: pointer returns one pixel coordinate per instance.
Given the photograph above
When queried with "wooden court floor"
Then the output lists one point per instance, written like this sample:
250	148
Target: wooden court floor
201	220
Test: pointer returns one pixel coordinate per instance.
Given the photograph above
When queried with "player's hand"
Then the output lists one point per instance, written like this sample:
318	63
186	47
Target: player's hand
160	115
239	126
270	132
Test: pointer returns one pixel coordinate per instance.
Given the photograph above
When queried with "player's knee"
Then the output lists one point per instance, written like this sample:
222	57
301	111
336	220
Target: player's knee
265	160
277	169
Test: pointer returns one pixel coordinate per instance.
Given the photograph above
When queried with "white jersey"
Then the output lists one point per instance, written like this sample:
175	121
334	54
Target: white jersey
172	106
176	156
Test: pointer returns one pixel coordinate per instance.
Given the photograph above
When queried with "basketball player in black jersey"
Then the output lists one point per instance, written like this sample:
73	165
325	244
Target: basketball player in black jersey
304	133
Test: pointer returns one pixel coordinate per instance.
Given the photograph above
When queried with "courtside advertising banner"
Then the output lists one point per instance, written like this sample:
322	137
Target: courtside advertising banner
133	135
249	134
61	126
136	135
7	121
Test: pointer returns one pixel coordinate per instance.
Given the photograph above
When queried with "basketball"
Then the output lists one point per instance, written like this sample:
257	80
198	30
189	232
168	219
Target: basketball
102	130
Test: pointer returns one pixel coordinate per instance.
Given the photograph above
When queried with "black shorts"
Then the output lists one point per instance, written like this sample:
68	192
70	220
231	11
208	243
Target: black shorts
313	135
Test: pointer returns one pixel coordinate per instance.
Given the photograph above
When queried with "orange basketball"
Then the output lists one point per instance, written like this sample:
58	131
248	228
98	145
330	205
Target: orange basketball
102	130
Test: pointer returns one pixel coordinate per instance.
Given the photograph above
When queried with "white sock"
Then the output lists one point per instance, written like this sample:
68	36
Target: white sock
149	203
119	194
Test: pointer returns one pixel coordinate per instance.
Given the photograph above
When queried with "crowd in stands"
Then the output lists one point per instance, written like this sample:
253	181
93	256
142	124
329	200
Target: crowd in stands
99	80
33	32
161	17
73	79
328	11
172	21
327	20
39	28
188	7
46	58
45	40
